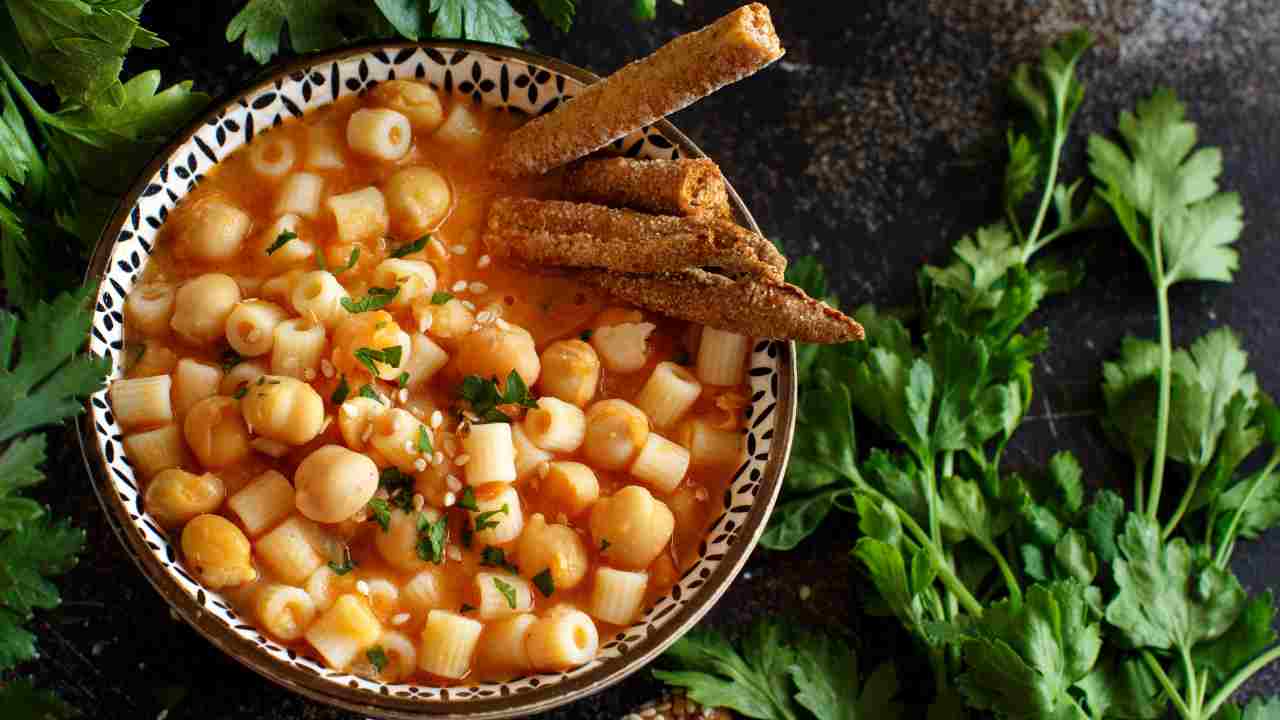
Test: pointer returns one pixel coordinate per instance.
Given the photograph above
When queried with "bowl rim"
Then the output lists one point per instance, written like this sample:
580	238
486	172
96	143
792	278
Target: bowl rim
314	687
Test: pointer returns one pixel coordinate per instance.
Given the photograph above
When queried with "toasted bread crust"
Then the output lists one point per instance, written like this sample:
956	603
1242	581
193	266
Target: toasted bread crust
685	186
568	234
676	75
745	306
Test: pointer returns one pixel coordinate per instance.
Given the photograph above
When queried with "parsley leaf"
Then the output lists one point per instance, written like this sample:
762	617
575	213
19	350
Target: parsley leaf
313	25
755	682
424	441
341	392
508	592
484	520
559	12
377	657
492	556
281	240
411	248
29	556
432	537
544	582
440	297
229	359
485	396
381	510
368	356
24	700
20	469
492	21
367	391
828	684
468	499
347	565
376	299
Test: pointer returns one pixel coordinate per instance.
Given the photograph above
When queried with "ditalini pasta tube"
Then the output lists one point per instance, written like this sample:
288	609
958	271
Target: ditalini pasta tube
564	638
448	641
557	232
679	73
617	595
722	357
685	186
668	394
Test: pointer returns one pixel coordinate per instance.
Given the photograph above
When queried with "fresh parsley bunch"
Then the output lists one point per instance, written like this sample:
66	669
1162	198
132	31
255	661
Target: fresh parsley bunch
1030	598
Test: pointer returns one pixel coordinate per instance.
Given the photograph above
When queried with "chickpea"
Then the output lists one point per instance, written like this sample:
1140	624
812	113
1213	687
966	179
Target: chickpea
418	199
493	352
415	100
570	371
283	409
637	526
616	430
398	544
201	307
216	432
356	418
148	307
623	348
174	496
375	330
156	360
333	483
446	322
552	547
243	374
217	551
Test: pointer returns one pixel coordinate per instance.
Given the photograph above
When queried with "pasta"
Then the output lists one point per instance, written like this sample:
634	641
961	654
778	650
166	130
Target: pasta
366	431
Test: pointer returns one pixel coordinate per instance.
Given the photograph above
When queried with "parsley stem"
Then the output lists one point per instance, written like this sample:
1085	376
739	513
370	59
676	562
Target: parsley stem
1223	555
1238	678
1193	689
1184	503
1010	579
1166	367
1154	666
1051	179
1140	487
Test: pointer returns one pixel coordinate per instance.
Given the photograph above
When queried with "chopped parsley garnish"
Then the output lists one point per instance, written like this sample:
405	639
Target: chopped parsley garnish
399	487
341	392
136	351
507	591
402	379
347	564
544	582
466	608
466	536
431	538
424	441
351	262
485	520
377	657
681	358
381	513
440	297
485	398
411	248
492	556
240	392
366	391
586	335
376	298
604	544
281	239
230	358
468	499
368	356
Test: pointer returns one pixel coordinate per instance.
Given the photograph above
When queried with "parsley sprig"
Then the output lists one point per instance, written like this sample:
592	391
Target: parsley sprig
485	398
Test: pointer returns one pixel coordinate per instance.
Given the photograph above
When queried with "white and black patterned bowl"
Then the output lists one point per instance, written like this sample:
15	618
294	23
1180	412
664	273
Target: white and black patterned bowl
496	77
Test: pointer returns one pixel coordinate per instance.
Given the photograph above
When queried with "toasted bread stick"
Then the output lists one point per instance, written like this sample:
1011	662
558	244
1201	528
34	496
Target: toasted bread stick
666	187
744	306
568	234
676	75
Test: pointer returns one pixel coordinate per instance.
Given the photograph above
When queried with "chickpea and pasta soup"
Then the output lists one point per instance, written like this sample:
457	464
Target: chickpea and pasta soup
395	453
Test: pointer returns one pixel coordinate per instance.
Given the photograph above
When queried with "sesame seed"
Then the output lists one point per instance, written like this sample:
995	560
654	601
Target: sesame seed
419	464
479	288
458	249
454	553
362	587
326	368
460	286
485	317
504	324
408	446
450	499
419	501
475	327
469	305
453	483
462	459
425	323
483	262
437	418
400	618
403	395
437	458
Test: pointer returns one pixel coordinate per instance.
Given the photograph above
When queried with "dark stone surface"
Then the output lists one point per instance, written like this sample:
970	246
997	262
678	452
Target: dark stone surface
851	148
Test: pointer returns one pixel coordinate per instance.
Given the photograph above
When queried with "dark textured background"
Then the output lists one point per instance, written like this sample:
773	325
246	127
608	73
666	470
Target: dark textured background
854	148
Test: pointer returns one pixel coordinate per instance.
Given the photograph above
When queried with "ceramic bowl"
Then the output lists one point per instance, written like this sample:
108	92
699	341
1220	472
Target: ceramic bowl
501	78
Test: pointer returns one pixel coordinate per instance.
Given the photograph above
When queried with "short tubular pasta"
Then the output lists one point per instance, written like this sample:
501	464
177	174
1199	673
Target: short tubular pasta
201	307
149	307
503	643
295	252
193	381
251	326
661	464
279	289
415	278
142	402
155	450
711	447
491	454
296	349
722	357
425	591
380	133
395	435
529	457
572	486
668	394
262	503
383	596
448	644
343	632
300	195
326	148
157	359
555	425
564	638
360	214
426	358
418	200
323	587
402	656
213	230
616	595
272	155
502	594
289	552
499	517
284	611
318	296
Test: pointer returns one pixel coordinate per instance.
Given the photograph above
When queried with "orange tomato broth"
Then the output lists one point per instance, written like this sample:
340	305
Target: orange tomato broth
550	308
